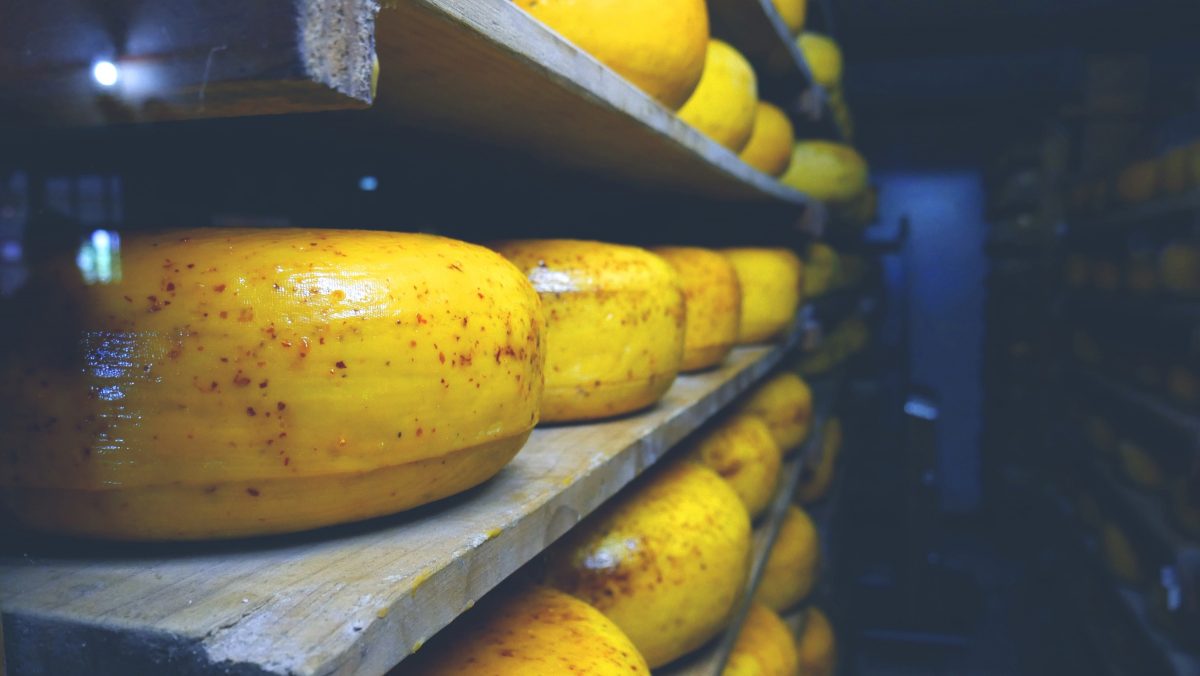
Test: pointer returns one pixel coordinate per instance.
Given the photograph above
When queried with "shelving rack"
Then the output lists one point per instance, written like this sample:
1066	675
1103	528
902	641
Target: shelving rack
1142	215
1170	414
357	599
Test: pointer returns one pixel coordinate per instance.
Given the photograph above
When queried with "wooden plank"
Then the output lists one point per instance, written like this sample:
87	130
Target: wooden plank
347	600
487	69
183	59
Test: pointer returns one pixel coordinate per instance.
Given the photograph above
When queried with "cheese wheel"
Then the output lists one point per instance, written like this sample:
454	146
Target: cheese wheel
814	482
724	104
530	631
770	146
817	647
742	450
666	560
791	568
241	382
771	280
785	403
765	646
615	323
713	299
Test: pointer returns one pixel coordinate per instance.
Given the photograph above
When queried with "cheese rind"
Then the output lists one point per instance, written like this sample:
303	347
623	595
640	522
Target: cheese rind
237	382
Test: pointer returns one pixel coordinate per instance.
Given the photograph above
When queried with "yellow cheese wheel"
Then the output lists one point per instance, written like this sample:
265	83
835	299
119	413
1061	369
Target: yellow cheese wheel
817	646
771	281
724	105
615	323
239	382
791	569
1176	171
713	299
785	403
1179	267
741	449
770	146
1138	182
826	171
1122	559
793	13
821	268
530	631
665	560
765	646
1139	465
658	46
824	58
815	481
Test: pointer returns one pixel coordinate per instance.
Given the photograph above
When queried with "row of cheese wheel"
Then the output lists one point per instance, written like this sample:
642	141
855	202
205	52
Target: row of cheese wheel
665	49
684	527
241	382
1149	362
1171	173
1175	268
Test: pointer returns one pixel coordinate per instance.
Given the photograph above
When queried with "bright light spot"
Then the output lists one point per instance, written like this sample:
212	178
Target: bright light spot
99	258
10	252
106	73
368	183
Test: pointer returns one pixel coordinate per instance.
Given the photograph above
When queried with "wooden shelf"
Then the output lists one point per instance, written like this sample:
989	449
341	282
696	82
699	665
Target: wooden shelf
1185	422
478	69
354	599
1142	215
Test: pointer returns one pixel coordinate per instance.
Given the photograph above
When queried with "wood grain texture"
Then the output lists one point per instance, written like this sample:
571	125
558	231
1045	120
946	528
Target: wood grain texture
183	59
487	69
349	600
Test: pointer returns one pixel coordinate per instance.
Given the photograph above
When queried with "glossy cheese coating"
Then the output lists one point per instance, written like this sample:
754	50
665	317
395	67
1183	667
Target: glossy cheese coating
615	321
714	304
665	560
240	382
532	631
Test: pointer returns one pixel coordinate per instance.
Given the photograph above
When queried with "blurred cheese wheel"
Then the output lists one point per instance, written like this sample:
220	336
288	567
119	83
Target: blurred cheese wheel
815	481
226	383
765	646
771	281
824	58
785	403
791	569
793	13
830	172
820	269
665	560
658	46
741	449
1175	167
817	646
770	146
713	299
1179	266
614	323
724	104
528	631
1138	182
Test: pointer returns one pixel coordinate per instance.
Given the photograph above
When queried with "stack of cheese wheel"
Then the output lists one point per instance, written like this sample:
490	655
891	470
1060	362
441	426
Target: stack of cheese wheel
615	320
784	402
741	449
814	482
241	382
765	646
528	630
791	569
658	46
771	280
666	560
713	300
817	646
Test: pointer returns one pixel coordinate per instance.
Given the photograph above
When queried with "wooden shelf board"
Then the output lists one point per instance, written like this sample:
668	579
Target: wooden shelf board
354	599
487	69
